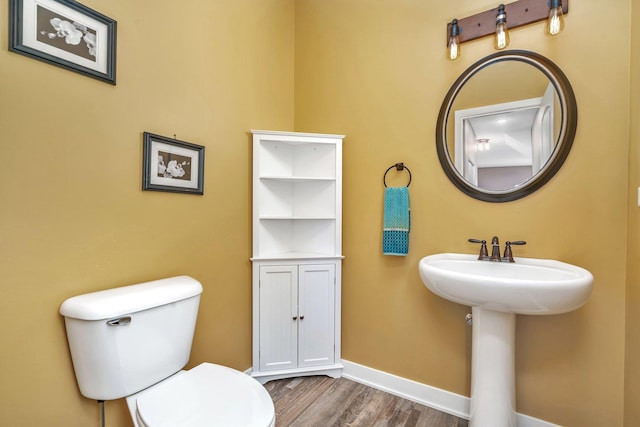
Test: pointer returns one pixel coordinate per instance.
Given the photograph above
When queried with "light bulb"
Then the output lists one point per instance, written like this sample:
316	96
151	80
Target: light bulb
453	45
454	48
502	37
555	23
483	144
502	34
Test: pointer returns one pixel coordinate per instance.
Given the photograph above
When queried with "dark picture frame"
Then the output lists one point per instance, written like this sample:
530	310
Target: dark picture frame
172	165
64	33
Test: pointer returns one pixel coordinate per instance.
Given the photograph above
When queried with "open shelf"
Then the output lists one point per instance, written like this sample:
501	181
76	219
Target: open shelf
282	236
297	194
297	159
296	198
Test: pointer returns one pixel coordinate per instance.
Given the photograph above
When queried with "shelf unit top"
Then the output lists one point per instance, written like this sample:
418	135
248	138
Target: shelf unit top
296	134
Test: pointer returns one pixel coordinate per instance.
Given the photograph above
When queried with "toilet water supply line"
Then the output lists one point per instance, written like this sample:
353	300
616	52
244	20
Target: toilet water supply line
101	402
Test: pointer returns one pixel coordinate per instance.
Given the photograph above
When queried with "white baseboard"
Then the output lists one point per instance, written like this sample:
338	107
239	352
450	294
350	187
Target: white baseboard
442	400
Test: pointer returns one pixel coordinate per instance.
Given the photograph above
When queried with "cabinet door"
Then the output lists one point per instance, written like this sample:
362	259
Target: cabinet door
317	314
278	317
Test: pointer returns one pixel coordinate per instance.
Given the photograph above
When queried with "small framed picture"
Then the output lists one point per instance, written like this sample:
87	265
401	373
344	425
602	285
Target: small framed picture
172	165
64	33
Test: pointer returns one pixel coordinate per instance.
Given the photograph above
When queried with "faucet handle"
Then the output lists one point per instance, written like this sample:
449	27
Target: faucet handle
508	255
484	254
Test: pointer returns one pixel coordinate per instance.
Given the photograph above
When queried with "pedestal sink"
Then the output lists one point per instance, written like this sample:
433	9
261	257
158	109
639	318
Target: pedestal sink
496	292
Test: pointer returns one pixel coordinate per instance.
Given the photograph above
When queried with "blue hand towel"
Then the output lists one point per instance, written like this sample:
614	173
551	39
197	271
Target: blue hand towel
397	221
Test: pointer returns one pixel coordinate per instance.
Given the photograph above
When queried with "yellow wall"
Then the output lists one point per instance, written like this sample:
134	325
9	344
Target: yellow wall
376	71
632	367
73	218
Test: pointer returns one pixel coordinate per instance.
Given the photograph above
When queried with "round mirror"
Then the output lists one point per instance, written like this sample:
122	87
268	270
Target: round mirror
506	126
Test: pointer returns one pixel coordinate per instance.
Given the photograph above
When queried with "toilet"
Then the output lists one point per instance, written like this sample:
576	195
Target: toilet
133	342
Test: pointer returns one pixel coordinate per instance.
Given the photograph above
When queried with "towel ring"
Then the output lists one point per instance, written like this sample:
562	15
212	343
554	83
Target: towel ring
399	167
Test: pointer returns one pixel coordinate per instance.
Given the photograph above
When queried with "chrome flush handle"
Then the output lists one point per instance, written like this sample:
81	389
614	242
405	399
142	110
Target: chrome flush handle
121	321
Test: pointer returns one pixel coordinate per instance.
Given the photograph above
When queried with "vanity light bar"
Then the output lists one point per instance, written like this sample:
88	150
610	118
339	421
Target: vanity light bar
521	12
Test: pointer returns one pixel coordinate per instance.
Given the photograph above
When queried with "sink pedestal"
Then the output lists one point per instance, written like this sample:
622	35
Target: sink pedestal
493	396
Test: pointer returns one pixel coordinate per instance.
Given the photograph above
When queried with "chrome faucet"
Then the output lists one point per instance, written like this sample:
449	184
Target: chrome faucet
495	250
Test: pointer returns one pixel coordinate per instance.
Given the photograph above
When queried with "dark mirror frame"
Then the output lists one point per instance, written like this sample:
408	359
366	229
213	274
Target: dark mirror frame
566	135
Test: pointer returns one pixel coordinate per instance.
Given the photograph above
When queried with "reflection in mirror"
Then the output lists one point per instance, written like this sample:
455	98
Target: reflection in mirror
505	129
504	145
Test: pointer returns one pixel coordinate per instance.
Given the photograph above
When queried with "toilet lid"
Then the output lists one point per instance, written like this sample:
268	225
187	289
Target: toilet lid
207	395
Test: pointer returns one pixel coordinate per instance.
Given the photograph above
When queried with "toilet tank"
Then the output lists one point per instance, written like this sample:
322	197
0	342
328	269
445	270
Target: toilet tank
125	339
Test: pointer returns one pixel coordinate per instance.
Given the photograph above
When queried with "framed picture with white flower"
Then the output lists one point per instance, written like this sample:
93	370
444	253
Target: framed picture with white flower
172	165
64	33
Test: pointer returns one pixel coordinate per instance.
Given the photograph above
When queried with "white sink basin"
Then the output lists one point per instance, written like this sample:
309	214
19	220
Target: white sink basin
496	292
528	286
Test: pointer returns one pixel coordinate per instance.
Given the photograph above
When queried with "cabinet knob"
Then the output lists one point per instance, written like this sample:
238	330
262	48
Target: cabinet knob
301	317
295	317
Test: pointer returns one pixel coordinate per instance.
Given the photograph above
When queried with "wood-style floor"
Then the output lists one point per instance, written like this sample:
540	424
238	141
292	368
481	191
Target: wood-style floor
324	402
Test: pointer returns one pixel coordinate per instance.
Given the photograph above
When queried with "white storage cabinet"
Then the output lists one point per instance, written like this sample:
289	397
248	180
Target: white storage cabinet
297	253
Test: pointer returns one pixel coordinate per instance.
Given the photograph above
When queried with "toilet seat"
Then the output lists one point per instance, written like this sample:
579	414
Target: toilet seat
207	395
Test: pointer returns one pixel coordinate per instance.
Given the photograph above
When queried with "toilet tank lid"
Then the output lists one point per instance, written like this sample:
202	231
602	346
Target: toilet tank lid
115	302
